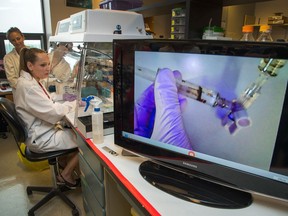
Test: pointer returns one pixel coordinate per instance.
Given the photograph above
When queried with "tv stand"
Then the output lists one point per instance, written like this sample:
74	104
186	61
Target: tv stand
193	189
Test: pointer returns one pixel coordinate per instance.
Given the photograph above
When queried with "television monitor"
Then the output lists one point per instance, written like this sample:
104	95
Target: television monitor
209	116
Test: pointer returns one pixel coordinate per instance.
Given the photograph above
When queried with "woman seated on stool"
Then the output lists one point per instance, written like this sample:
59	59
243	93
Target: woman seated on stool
41	115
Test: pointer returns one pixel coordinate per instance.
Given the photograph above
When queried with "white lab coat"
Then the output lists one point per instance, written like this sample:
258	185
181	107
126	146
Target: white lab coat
11	65
40	114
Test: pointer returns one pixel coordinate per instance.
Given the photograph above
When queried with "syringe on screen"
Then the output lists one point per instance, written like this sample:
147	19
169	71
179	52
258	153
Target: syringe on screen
206	96
237	116
189	89
268	67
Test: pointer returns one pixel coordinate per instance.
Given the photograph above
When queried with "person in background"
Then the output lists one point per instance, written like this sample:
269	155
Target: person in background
42	116
11	59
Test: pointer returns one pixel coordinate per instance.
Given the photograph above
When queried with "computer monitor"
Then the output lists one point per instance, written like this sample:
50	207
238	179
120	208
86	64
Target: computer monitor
210	117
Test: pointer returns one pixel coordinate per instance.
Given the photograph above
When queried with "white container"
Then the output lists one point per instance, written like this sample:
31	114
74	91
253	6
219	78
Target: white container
97	126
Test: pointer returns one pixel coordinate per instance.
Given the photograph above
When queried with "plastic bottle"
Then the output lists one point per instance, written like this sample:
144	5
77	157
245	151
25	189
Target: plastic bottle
265	33
213	32
97	126
247	35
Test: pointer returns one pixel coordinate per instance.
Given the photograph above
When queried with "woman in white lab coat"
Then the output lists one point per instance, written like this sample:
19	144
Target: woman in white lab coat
40	114
11	59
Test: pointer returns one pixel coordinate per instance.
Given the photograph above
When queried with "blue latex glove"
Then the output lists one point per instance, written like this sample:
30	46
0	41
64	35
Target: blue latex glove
69	97
158	112
144	113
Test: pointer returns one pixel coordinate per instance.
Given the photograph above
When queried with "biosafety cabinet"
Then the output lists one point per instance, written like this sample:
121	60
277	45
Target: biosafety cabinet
81	58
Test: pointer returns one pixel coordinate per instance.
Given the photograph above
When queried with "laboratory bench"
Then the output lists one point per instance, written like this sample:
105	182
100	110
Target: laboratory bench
112	185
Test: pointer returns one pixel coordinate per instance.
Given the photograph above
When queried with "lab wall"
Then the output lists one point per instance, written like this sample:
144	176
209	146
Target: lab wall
233	18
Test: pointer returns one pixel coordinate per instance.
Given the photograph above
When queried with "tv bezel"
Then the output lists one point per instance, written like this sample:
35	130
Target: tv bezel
123	50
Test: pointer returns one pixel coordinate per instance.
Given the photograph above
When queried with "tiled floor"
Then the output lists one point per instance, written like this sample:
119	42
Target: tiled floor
14	177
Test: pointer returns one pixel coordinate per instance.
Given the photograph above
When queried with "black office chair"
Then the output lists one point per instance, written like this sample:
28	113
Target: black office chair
7	109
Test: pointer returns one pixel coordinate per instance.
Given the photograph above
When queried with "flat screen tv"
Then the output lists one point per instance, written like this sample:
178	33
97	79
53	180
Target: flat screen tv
210	117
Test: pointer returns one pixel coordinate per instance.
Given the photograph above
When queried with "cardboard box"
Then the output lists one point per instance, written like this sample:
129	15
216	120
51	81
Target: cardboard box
84	124
277	19
276	22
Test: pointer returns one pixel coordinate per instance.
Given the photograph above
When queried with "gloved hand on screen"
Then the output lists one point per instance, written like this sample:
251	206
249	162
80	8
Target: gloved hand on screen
144	113
158	112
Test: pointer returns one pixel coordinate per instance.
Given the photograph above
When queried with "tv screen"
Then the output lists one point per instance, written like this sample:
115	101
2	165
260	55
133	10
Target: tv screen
205	114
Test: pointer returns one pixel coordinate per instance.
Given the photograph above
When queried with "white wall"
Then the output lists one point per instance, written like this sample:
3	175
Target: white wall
265	9
233	17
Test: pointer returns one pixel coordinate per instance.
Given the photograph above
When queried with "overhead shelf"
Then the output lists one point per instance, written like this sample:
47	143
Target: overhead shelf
206	9
239	2
276	25
165	6
159	8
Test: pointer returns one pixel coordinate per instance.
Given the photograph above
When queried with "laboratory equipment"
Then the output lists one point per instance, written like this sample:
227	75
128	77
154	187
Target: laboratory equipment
214	32
85	123
81	50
